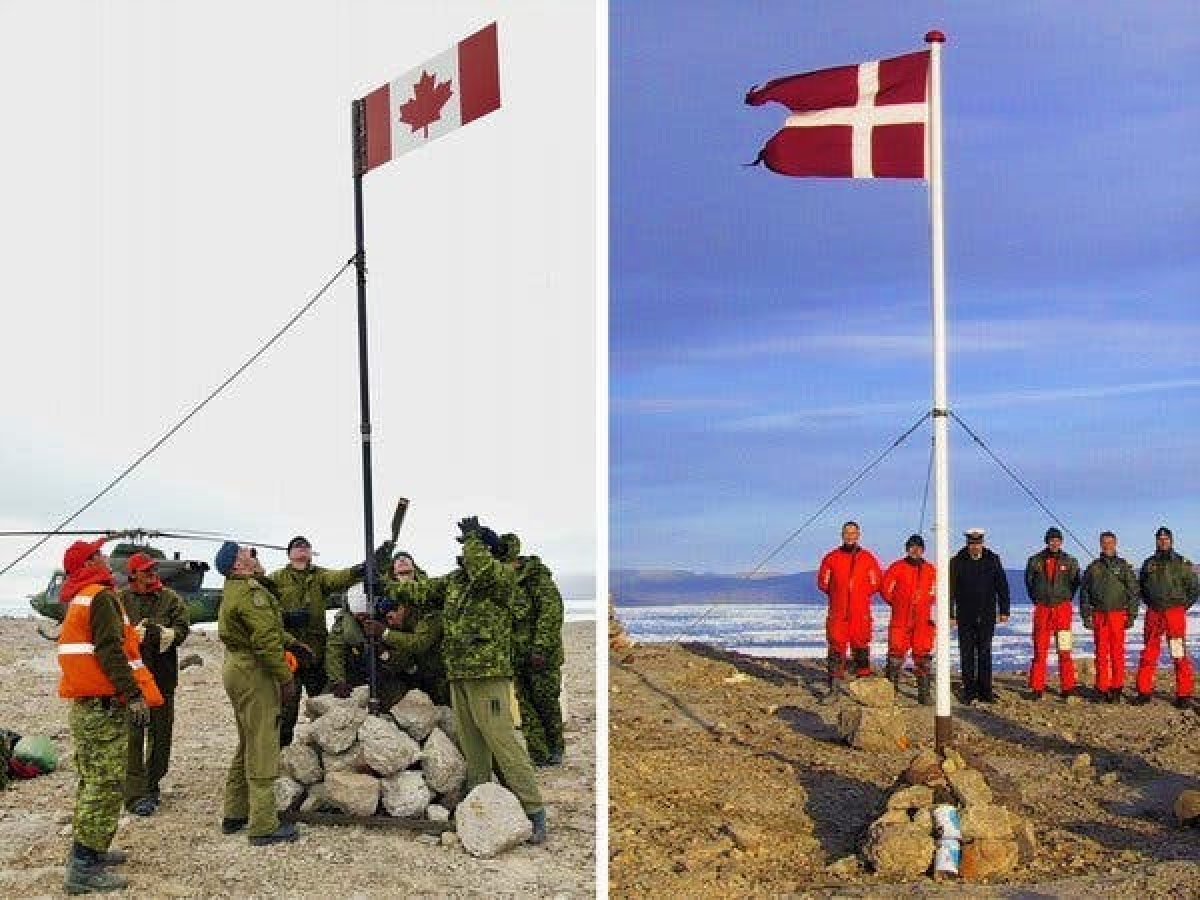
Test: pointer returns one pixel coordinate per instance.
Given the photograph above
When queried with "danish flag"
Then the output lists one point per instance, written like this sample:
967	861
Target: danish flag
861	121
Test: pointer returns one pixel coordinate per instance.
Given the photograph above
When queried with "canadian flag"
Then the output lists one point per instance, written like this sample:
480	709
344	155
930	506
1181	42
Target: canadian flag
862	121
457	86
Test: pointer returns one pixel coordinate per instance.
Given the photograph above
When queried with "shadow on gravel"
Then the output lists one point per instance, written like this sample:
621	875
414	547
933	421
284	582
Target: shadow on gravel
1178	844
840	807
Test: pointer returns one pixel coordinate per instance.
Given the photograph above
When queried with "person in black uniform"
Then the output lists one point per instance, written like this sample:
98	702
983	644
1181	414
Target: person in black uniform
979	599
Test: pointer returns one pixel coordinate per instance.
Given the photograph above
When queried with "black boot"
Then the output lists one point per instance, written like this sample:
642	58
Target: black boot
86	875
862	661
924	690
835	664
891	671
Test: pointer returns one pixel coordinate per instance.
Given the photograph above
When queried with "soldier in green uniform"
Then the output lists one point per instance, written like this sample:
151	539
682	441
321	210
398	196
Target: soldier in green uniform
162	624
408	635
303	589
98	679
413	635
346	653
478	602
538	656
257	680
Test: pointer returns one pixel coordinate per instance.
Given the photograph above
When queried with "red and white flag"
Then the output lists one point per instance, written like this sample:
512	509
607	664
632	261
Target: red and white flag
457	86
863	121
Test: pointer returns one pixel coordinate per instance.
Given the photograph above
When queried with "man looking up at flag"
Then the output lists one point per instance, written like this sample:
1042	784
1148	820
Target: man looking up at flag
258	681
849	575
909	587
1051	579
162	625
303	590
479	600
109	689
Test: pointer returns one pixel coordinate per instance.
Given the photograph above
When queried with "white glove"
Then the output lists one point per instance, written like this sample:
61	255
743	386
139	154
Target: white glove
140	628
166	637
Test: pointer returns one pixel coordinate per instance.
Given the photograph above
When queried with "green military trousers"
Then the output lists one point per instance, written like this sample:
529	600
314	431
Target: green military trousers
149	752
541	713
101	735
488	736
249	786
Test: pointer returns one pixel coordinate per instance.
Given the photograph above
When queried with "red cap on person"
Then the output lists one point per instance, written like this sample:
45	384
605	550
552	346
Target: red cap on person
140	562
79	553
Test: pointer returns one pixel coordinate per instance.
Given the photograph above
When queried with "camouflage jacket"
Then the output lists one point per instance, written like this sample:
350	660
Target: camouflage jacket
478	600
309	589
163	608
540	630
250	623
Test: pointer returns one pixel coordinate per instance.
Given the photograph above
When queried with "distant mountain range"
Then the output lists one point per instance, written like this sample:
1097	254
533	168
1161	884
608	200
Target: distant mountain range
666	587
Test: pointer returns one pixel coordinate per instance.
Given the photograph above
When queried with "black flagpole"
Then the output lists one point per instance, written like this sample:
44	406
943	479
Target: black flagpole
359	120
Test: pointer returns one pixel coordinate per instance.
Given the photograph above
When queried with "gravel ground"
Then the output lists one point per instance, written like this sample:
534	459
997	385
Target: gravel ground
728	778
180	852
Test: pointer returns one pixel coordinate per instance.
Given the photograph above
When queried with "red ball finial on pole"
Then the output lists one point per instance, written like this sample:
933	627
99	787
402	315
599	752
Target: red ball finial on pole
935	37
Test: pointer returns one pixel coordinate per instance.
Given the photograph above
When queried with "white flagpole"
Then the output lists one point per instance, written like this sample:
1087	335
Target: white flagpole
943	729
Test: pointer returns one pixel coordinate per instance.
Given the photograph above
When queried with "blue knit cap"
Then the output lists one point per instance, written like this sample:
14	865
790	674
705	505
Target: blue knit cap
226	557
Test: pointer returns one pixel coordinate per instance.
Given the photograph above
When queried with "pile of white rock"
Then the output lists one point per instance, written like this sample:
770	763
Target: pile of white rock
402	763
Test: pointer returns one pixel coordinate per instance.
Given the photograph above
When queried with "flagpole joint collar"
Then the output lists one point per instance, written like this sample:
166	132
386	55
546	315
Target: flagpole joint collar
935	37
940	413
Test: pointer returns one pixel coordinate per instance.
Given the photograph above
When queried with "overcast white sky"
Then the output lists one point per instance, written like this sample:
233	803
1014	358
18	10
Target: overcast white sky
176	183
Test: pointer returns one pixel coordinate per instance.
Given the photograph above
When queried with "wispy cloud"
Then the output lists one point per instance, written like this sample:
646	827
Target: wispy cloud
1122	338
802	419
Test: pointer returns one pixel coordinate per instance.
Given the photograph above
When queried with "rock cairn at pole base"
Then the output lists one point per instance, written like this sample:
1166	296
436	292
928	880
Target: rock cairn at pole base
943	819
402	763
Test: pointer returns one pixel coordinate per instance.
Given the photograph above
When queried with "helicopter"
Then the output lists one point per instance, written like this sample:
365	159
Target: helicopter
184	576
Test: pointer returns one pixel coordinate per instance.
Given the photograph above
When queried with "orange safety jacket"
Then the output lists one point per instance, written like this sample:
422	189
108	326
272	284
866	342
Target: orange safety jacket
82	674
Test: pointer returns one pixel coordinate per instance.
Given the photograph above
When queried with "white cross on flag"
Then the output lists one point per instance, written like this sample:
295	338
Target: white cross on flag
862	121
457	86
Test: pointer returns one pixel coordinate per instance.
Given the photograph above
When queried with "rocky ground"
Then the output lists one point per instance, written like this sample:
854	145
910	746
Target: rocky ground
728	778
181	853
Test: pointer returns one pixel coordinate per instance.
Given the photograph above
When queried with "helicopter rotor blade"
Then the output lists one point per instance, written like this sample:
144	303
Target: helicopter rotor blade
64	533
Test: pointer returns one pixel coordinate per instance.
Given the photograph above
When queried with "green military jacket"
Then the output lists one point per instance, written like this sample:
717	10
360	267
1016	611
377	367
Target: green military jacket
418	643
478	600
1109	583
1168	580
164	608
251	623
540	630
1043	591
308	589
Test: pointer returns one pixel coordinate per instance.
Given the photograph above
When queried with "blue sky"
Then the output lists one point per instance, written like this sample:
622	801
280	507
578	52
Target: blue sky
770	336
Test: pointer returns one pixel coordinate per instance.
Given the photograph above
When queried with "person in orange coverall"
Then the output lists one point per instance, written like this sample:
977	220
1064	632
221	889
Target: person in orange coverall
910	589
849	575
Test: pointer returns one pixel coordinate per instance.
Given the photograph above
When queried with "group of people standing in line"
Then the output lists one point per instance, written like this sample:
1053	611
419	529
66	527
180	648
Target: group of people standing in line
476	638
1109	594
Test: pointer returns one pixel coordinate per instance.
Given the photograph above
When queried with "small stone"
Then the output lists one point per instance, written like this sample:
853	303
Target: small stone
913	797
1109	778
450	839
845	867
1187	807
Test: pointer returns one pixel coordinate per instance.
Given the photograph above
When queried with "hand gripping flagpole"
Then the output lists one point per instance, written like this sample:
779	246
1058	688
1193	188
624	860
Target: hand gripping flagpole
359	124
943	724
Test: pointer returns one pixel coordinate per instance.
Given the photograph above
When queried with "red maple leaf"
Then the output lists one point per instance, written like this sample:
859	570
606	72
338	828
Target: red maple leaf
426	104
